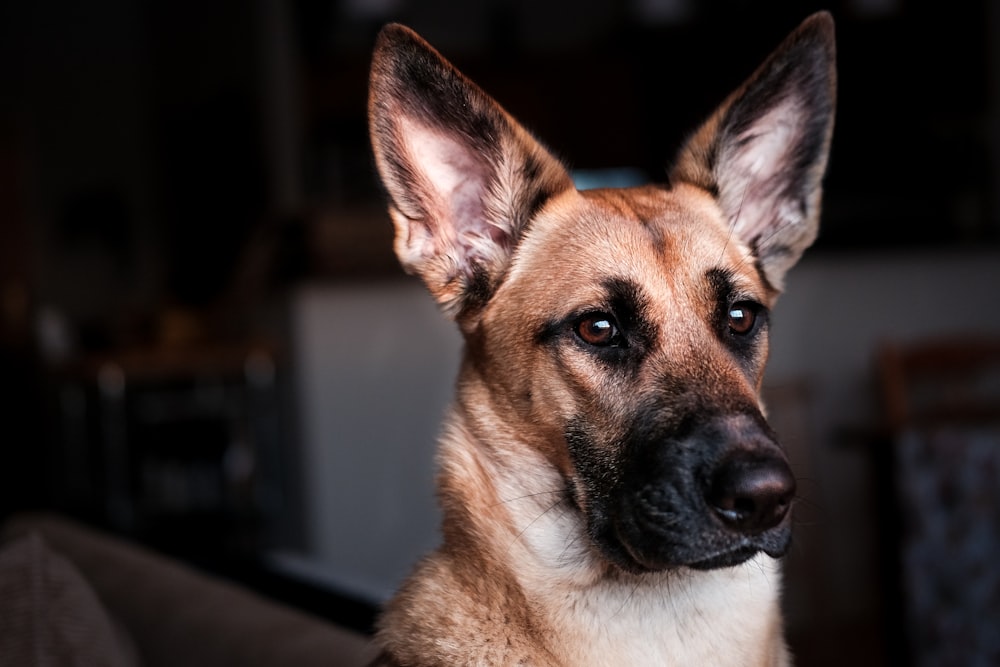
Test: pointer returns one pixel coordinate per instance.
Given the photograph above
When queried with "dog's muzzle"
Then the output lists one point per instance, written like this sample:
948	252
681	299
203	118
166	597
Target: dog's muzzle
713	498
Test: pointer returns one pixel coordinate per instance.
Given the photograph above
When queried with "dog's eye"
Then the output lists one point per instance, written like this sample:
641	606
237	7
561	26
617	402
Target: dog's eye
743	317
599	330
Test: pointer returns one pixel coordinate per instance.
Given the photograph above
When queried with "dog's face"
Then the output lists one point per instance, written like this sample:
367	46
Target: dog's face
636	330
621	333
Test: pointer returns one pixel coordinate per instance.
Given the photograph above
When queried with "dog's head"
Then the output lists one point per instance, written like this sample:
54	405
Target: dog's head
622	333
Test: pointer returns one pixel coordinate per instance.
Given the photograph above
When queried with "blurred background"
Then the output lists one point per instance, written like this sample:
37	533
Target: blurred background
206	343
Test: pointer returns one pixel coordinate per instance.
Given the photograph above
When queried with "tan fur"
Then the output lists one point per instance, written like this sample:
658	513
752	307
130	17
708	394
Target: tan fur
517	579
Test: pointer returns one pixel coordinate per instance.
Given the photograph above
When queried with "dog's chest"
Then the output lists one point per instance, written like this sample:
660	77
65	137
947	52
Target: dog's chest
722	618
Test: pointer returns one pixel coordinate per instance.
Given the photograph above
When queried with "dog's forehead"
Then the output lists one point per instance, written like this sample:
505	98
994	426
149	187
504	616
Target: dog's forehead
651	235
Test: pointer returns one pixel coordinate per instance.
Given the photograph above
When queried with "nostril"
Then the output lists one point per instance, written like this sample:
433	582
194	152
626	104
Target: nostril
735	508
752	495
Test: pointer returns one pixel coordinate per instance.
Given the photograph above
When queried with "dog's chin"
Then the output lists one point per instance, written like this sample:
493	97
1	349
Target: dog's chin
726	559
635	564
645	565
644	556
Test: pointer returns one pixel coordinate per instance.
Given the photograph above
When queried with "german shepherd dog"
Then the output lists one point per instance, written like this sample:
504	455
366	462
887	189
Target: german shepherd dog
611	491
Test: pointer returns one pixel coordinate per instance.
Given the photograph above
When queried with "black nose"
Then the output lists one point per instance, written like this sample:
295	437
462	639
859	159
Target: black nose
752	495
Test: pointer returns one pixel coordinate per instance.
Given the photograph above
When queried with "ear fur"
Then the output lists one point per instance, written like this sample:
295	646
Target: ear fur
764	151
463	178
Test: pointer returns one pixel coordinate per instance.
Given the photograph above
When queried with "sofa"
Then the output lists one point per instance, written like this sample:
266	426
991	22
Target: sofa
72	595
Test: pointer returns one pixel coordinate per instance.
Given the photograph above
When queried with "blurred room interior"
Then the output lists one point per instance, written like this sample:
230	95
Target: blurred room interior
206	344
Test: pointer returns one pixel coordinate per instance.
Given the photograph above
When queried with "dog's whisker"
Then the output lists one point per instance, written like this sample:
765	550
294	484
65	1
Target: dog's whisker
693	604
733	223
800	499
570	543
521	533
806	478
811	506
628	598
504	501
764	572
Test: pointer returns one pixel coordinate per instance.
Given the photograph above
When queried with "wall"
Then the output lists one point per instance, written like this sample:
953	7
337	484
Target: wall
374	369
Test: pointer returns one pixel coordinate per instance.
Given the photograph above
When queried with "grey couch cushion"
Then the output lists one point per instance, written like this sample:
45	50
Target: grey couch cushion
49	615
179	616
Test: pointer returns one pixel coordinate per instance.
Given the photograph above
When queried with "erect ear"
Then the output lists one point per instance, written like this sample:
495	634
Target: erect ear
763	152
463	177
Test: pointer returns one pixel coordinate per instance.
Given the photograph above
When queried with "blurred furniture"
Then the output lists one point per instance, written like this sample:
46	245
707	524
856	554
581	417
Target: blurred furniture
942	406
181	438
72	596
944	381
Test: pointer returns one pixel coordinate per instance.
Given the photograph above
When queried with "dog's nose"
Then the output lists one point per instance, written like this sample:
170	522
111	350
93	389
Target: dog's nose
752	495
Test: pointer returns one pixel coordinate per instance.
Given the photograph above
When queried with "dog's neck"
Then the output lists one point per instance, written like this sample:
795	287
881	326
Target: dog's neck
508	507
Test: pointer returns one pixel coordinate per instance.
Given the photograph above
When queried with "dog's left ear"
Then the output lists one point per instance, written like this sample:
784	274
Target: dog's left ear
463	177
763	152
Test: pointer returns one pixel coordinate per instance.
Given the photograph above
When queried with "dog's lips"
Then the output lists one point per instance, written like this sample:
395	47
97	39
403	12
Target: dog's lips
730	558
642	549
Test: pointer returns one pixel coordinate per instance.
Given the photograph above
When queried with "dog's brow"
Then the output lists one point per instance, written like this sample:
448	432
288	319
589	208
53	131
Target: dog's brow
722	283
624	293
625	299
726	284
630	304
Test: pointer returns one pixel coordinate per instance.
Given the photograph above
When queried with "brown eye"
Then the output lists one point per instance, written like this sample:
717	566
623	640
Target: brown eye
742	318
598	329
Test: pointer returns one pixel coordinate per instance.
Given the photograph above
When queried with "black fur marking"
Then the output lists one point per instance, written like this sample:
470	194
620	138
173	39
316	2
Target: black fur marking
532	173
535	193
758	266
531	169
630	305
598	472
478	290
550	330
445	98
721	283
597	466
713	187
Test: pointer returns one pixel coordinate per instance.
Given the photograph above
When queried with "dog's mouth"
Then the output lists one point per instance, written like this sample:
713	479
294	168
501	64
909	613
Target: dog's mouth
699	549
736	556
652	532
712	496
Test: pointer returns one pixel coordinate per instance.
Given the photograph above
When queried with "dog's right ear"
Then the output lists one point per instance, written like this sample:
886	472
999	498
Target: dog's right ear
463	177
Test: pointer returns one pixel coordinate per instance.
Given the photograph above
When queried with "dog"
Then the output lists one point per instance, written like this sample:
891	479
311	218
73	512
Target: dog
611	491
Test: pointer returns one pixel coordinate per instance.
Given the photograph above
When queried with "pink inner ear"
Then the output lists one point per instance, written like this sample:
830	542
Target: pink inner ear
456	182
752	173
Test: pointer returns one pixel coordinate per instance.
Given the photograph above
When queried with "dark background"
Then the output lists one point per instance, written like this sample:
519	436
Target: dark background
148	143
171	170
155	139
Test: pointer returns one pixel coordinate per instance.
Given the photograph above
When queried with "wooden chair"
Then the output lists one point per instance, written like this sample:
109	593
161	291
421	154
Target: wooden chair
940	477
941	381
